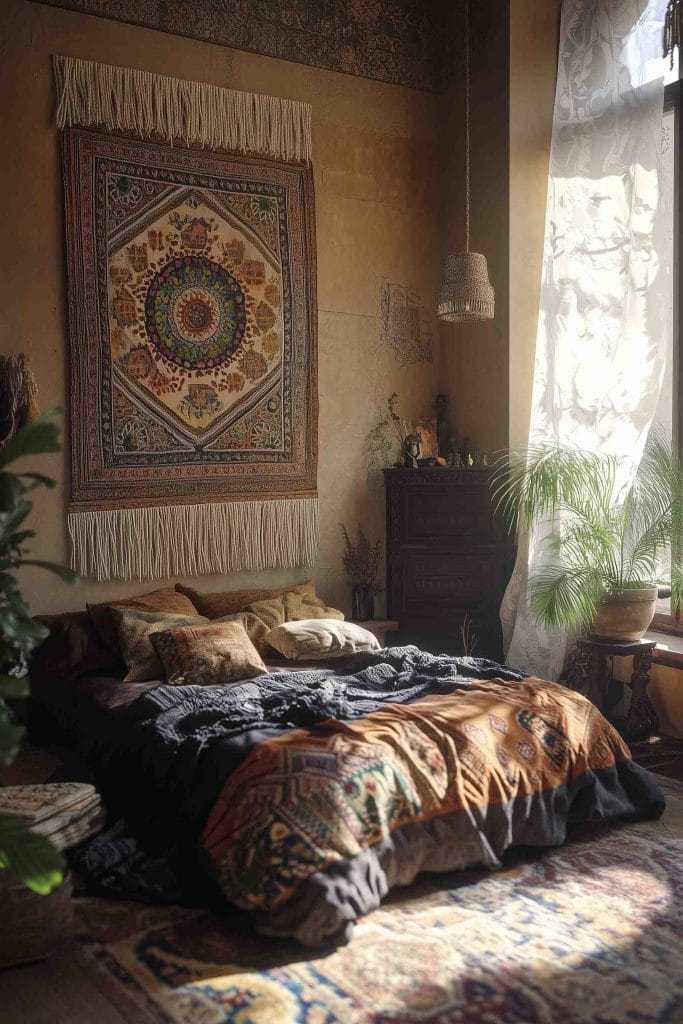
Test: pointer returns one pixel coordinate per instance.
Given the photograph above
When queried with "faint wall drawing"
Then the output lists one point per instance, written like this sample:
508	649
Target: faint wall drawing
401	324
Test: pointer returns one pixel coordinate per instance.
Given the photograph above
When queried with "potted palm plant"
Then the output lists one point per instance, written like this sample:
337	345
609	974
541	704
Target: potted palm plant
604	545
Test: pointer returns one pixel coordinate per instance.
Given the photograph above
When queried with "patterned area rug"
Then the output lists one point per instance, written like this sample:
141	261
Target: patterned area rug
588	933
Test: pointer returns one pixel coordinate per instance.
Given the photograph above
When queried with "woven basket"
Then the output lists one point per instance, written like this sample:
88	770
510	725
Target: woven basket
32	926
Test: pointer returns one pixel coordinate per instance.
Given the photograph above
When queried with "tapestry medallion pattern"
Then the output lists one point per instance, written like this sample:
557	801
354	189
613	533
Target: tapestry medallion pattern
192	308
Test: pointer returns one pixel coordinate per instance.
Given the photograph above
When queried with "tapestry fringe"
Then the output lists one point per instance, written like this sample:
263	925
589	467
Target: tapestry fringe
127	99
194	540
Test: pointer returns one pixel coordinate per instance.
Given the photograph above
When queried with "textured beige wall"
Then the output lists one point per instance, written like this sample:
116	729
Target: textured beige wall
474	364
664	691
377	178
534	27
488	366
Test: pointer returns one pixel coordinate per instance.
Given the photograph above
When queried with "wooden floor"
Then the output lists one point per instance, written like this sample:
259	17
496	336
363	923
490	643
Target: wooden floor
660	755
60	990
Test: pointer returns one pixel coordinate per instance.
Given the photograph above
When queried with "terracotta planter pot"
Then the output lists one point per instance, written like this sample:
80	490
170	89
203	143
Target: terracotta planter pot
625	614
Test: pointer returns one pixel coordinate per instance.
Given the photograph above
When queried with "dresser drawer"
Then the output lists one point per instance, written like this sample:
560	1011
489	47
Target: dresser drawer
448	560
423	515
429	580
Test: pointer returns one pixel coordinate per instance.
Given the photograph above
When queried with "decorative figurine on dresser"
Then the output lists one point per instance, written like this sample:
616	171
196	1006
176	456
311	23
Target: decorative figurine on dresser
412	451
447	557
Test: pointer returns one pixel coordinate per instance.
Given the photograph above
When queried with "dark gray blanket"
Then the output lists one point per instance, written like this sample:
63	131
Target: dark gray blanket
169	753
165	758
162	760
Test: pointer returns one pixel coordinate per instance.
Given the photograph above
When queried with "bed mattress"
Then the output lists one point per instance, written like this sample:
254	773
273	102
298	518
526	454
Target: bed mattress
304	796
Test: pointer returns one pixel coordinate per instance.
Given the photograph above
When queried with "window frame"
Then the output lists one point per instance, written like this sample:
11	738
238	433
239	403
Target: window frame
672	623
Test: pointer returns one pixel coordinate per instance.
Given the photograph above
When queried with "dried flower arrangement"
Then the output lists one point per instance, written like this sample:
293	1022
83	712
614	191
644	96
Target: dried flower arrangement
361	560
380	446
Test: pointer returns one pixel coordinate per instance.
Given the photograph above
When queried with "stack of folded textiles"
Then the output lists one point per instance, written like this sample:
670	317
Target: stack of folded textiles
66	813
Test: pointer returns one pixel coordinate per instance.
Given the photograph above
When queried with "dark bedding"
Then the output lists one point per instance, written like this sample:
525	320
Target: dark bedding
170	752
302	797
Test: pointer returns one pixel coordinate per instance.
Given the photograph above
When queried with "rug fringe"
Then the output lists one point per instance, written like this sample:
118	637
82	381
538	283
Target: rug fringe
194	540
127	99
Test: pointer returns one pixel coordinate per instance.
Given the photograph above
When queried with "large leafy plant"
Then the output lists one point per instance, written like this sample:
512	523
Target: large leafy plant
598	538
29	856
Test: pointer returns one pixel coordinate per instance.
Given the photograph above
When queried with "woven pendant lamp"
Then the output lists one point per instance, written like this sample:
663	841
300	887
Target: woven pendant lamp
466	292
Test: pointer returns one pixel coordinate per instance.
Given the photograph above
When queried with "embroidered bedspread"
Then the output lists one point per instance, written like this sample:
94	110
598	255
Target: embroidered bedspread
312	793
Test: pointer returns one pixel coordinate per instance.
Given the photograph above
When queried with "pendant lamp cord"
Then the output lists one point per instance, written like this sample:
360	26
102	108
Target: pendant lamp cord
467	125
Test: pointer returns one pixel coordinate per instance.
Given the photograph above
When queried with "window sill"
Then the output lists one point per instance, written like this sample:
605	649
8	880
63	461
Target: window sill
669	649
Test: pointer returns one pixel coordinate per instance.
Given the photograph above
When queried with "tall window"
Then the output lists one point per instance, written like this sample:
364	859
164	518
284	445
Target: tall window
669	415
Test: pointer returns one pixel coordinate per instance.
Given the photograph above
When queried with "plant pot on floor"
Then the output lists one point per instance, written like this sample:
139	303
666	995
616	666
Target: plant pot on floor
32	927
625	614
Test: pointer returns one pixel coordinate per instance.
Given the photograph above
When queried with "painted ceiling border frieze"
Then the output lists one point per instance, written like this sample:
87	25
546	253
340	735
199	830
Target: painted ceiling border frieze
395	41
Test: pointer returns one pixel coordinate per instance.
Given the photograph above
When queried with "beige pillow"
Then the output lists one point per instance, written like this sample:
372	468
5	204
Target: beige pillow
260	617
320	638
137	650
168	601
219	652
229	602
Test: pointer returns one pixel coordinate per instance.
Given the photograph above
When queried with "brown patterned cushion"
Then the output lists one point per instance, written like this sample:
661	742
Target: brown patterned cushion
228	602
169	601
134	631
220	652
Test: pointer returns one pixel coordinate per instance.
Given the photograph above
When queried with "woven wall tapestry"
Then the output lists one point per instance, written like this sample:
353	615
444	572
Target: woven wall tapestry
193	358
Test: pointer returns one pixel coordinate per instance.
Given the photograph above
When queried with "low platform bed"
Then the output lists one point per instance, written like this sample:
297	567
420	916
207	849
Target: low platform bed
303	796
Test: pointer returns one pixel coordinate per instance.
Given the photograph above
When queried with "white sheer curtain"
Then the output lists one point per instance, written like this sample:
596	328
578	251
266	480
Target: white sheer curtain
601	342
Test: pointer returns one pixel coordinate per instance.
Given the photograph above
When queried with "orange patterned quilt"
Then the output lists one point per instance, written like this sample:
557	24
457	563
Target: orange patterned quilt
305	800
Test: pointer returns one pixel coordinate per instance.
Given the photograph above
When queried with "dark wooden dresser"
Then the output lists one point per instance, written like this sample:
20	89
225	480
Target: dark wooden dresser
447	558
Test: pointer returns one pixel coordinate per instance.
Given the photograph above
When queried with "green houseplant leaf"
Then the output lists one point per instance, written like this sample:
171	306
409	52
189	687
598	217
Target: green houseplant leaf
29	856
13	687
64	573
41	437
597	539
10	738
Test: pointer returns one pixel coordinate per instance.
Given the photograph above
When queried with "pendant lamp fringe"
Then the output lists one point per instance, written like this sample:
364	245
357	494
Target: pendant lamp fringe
466	292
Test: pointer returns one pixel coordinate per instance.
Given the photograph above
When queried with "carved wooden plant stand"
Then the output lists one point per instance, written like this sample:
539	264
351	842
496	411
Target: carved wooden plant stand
591	676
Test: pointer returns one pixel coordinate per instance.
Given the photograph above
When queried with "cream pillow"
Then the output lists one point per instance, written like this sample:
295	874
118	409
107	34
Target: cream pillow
259	617
320	638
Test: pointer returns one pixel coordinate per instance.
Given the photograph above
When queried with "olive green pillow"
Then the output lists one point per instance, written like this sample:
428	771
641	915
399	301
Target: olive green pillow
135	628
167	601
